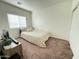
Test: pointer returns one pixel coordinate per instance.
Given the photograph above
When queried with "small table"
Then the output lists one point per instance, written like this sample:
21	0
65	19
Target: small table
12	49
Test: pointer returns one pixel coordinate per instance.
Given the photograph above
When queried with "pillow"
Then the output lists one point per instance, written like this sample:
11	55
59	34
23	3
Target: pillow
27	29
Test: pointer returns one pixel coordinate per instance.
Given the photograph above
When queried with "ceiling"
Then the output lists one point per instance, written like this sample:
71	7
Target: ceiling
33	4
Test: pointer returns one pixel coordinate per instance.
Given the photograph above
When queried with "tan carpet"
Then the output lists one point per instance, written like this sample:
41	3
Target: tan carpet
56	49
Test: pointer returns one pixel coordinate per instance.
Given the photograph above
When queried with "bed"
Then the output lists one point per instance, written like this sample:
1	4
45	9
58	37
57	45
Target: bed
37	37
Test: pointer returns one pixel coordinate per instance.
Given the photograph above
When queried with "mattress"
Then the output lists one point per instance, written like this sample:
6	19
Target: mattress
37	37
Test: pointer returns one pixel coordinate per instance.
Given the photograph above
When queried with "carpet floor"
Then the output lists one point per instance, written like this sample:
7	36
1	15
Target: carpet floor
55	49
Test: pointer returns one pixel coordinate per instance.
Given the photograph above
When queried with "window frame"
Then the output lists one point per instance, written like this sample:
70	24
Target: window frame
18	26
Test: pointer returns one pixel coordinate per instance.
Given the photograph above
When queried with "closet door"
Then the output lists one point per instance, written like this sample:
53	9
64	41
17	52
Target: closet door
74	35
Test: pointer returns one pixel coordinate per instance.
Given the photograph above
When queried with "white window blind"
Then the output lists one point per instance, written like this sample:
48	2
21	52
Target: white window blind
16	21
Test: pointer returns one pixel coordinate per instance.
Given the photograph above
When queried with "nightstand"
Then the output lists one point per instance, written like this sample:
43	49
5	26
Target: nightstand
13	49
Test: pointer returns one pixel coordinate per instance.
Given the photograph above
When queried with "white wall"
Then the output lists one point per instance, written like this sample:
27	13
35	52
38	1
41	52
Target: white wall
55	19
6	8
74	35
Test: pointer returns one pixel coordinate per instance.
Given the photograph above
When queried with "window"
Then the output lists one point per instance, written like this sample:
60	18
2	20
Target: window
16	21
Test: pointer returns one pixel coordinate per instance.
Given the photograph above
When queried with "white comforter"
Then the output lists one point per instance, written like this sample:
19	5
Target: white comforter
37	37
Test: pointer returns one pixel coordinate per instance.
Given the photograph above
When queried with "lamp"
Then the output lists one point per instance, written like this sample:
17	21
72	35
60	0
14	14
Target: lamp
5	38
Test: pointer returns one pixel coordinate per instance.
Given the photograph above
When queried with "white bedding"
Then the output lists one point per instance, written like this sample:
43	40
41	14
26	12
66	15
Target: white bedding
37	37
